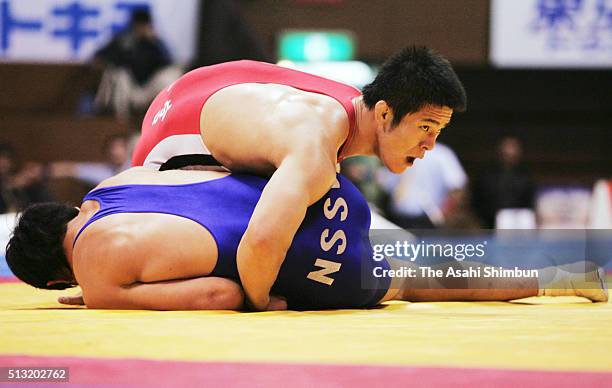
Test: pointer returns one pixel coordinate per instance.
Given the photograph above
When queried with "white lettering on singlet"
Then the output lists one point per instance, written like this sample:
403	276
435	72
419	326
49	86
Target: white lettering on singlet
327	267
161	115
339	236
336	184
327	245
339	204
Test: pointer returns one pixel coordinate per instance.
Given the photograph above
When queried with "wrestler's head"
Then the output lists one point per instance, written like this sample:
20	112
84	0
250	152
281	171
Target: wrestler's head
413	97
35	252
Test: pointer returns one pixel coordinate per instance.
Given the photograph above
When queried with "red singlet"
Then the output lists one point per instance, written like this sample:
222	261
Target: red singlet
171	127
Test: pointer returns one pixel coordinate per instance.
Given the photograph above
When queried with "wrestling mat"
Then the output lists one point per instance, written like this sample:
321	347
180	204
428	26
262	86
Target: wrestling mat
542	342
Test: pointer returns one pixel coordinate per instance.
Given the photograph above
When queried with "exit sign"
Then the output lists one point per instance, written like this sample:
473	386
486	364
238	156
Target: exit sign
314	46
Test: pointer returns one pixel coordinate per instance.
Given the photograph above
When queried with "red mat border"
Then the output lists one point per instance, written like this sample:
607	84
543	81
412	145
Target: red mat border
151	373
8	279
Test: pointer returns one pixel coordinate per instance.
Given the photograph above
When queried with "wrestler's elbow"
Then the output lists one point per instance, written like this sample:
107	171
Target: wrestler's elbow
257	240
260	246
225	298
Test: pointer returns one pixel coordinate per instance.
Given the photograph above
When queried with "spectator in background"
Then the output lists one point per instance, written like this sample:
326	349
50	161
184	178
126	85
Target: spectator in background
20	188
507	185
419	196
600	211
136	65
225	35
117	154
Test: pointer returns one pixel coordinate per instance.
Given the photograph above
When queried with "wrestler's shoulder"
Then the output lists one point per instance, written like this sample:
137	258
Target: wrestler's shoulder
104	251
276	92
315	113
279	112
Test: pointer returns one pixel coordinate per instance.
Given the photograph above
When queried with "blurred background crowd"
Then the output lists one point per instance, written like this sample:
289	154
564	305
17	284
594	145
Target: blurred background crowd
531	151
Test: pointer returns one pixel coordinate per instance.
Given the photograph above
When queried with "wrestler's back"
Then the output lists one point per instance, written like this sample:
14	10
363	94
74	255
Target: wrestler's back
245	96
256	133
127	248
146	247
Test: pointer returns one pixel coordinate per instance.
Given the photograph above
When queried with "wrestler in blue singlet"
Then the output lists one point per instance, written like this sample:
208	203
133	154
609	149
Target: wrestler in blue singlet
324	265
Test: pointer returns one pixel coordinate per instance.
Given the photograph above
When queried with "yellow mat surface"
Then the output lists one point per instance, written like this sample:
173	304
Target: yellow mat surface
552	334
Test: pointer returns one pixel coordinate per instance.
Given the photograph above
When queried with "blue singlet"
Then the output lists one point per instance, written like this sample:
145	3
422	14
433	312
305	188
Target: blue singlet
329	264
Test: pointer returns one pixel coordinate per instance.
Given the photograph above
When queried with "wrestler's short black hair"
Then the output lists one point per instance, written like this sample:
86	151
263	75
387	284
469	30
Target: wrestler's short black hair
35	252
413	78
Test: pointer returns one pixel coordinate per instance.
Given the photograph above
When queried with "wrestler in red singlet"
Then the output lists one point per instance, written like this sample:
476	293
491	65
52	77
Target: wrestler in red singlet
171	128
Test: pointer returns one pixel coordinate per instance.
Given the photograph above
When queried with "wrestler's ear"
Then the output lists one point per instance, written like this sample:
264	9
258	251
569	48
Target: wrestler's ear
65	280
54	282
383	114
60	284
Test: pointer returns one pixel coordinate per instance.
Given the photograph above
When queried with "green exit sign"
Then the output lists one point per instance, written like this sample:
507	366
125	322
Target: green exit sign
313	46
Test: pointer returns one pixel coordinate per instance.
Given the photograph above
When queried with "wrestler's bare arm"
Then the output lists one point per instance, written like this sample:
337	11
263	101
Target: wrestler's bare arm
106	266
274	129
204	293
300	180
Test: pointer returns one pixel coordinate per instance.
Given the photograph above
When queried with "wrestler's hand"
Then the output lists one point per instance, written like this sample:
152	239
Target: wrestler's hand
277	303
76	300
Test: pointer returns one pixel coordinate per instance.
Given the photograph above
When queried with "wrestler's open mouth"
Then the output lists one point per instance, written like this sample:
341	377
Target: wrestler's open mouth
410	160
